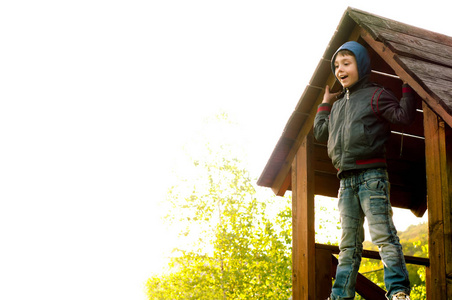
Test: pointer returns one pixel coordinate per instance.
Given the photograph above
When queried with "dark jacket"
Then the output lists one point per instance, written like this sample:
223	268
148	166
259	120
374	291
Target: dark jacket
357	125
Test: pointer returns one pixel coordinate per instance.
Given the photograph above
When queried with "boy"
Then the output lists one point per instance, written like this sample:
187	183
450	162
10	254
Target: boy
356	127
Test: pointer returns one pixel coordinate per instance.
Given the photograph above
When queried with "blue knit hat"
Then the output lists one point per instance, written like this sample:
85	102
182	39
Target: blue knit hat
361	56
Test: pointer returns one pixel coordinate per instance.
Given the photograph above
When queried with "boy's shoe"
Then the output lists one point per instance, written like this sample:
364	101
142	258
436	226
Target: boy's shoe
401	296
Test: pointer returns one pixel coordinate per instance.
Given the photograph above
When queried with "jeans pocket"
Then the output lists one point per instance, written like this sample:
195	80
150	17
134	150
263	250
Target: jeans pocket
378	204
376	184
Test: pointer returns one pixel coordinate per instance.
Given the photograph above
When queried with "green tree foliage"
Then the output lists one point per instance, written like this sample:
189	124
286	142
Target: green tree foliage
241	252
327	224
237	241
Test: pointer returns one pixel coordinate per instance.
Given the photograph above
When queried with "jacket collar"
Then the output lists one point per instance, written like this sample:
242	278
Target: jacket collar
359	84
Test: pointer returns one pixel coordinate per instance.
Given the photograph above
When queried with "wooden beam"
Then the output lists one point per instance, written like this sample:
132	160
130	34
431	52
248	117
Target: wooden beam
364	287
436	171
369	290
283	186
303	219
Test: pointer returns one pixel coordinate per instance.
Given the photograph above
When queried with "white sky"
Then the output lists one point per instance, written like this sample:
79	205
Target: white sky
97	98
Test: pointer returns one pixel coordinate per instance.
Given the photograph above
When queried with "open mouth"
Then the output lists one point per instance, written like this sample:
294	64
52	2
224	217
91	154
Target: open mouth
343	77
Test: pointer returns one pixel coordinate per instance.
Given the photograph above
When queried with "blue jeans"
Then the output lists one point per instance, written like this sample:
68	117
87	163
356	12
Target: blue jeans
366	194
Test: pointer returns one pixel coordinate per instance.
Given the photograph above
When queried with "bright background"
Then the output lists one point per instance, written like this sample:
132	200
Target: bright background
97	99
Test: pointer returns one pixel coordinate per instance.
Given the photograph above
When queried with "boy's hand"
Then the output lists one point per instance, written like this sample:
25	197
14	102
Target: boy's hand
329	97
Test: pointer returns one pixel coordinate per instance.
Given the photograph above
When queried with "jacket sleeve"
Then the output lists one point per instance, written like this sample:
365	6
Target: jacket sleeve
321	122
387	106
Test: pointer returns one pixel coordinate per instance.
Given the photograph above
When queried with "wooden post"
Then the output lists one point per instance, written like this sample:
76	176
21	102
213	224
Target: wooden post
303	243
323	273
428	280
438	197
447	206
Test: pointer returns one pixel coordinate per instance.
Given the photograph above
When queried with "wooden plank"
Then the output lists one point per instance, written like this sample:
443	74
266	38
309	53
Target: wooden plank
326	184
296	121
369	21
435	79
409	45
427	70
303	222
322	73
308	98
405	50
434	151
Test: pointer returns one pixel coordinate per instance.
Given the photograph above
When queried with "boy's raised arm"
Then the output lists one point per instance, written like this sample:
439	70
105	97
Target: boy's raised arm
323	112
397	112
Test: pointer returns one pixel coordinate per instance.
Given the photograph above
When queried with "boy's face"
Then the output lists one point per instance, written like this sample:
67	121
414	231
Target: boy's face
346	69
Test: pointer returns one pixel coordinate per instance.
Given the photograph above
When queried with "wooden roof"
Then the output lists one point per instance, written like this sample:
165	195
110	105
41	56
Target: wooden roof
398	52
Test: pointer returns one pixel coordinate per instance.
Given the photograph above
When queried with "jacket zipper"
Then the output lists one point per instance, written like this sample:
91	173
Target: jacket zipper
347	97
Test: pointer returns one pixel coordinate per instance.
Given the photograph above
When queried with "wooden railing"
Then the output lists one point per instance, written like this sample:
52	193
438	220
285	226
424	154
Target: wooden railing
414	260
326	264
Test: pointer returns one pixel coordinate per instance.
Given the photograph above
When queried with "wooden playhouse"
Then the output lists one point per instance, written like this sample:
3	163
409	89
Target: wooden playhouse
419	156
